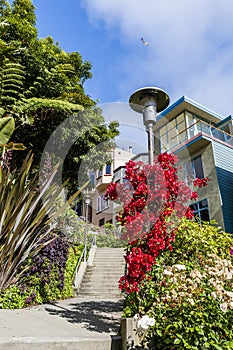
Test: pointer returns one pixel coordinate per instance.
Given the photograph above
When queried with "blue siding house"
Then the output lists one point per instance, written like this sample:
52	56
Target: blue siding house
203	142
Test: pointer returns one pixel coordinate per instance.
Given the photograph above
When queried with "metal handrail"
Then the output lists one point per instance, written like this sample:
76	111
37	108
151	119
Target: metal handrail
94	240
81	258
77	267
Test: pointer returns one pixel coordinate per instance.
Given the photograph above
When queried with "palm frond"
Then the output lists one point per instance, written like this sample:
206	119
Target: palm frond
11	82
32	105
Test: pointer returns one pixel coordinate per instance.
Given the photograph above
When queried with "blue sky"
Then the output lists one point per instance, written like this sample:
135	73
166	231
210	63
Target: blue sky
68	23
190	48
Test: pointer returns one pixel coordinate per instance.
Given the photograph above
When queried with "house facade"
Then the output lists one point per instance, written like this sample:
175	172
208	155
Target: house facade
203	143
103	211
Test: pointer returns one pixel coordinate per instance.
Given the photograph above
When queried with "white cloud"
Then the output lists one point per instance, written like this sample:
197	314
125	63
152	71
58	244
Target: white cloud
132	130
190	51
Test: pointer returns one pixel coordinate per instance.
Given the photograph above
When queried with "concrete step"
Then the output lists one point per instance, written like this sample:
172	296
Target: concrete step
103	289
104	274
101	279
106	266
110	261
105	282
104	271
98	295
61	344
109	289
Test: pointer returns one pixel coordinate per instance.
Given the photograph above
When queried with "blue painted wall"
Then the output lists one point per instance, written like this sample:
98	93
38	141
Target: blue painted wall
224	166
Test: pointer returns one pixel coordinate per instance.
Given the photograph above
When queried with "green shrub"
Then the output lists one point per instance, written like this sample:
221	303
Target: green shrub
109	240
71	225
74	228
15	297
190	291
74	255
32	291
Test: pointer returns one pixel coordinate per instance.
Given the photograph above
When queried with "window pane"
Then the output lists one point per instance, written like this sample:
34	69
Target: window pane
203	204
190	119
163	142
201	211
172	137
101	222
198	169
194	207
189	171
171	124
163	130
180	118
181	126
205	215
182	132
108	169
92	177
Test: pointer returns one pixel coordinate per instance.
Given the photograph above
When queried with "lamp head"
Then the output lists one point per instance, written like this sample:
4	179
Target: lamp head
149	96
87	198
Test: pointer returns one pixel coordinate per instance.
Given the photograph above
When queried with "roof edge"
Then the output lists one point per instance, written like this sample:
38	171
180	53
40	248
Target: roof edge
195	104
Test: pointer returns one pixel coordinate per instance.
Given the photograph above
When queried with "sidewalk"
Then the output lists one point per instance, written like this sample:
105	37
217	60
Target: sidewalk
72	324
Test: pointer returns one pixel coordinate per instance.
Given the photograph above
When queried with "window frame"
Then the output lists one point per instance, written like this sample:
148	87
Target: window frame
102	203
197	212
108	169
191	165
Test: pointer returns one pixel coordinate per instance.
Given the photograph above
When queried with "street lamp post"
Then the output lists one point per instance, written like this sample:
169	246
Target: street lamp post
149	101
87	200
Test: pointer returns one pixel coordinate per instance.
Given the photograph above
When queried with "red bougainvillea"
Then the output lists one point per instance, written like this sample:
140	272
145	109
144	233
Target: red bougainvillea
153	200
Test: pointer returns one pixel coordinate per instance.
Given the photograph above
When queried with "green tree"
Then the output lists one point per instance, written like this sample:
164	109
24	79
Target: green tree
47	87
21	19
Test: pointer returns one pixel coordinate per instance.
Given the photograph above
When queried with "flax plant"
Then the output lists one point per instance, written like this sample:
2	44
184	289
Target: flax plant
27	214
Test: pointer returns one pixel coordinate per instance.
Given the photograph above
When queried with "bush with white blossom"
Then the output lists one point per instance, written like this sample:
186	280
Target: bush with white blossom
142	325
189	294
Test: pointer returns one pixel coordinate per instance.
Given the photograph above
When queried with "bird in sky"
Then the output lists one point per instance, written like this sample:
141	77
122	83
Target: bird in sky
144	42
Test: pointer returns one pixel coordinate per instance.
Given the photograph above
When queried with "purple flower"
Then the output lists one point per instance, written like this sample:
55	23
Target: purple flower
231	251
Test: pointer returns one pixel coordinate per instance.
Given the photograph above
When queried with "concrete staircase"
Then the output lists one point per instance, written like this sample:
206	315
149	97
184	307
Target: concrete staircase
101	278
89	321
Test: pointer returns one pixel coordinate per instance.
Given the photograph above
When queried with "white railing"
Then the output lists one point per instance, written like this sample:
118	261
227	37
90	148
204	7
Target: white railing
82	264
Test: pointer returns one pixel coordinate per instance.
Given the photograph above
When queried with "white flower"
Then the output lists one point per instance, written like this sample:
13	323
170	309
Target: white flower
220	273
213	271
167	272
191	301
179	267
223	307
231	305
214	295
151	321
195	274
145	322
174	279
189	281
229	294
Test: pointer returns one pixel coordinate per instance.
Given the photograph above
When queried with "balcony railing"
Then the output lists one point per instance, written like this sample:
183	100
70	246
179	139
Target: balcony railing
200	127
103	180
